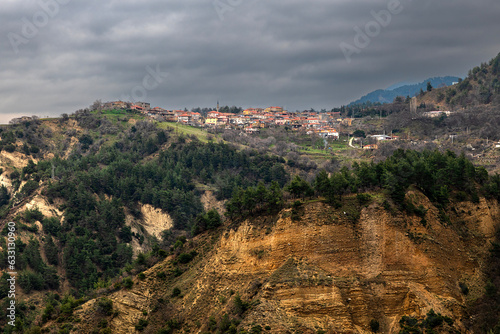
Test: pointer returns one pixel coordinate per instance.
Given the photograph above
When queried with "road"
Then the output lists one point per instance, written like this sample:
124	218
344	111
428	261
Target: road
350	143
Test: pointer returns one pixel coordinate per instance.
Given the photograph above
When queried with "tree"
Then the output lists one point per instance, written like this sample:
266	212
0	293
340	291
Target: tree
86	140
339	184
213	219
300	187
260	194
51	251
429	86
4	285
359	134
96	106
322	183
105	306
4	196
398	99
274	197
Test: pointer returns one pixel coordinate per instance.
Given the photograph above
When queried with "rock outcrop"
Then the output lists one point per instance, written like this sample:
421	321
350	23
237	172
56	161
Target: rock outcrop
326	271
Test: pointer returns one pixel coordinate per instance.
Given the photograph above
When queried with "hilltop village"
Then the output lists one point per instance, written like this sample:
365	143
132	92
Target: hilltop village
252	120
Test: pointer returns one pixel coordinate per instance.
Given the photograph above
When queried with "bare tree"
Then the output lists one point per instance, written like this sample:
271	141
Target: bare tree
97	105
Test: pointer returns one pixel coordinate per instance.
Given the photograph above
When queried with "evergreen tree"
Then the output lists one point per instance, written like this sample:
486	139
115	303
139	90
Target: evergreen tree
429	86
51	251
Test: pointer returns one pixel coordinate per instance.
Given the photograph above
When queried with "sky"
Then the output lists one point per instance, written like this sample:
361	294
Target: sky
58	56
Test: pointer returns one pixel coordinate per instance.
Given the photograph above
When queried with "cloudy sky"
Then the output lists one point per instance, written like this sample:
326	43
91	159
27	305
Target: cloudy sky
58	56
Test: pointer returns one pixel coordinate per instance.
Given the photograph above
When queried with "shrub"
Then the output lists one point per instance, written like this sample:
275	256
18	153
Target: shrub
29	281
185	258
103	323
29	187
51	226
240	306
178	244
490	289
127	283
86	140
176	292
464	288
256	329
224	323
126	234
105	306
177	272
10	148
420	211
374	325
212	323
141	324
15	175
30	216
363	198
433	320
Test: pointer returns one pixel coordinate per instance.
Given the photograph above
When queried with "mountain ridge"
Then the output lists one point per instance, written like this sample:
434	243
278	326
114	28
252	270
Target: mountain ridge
399	89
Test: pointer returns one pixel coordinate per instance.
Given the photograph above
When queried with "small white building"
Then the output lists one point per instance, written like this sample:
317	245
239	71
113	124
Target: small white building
329	134
436	113
381	137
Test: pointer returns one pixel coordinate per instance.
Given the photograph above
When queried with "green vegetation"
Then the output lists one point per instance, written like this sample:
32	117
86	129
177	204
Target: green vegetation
116	166
255	199
98	180
35	274
187	130
429	324
141	325
105	306
436	174
176	292
208	221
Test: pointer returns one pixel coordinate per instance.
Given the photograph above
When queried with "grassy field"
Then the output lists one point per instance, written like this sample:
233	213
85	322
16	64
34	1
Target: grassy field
201	134
113	115
335	147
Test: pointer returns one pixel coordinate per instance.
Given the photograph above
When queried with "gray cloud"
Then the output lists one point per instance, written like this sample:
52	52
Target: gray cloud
260	53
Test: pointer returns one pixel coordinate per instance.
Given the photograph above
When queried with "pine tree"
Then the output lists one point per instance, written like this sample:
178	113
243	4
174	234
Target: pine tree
51	251
429	86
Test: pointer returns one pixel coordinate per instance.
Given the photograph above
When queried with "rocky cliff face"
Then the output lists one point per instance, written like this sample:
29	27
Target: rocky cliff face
324	271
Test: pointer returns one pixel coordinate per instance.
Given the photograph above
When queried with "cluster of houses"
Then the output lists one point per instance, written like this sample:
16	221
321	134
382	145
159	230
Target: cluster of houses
436	113
252	120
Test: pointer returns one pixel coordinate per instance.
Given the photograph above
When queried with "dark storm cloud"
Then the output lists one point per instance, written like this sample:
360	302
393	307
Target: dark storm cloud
242	52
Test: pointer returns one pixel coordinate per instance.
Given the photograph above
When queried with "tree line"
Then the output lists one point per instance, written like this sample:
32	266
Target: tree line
438	175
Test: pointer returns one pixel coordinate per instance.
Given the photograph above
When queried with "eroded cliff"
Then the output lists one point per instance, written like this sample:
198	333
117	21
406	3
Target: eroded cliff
324	271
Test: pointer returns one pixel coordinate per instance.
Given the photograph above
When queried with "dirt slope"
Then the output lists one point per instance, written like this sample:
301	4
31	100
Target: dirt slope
323	271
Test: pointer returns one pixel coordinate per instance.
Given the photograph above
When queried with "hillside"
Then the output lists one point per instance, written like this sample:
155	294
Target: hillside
388	95
318	273
480	87
119	230
470	124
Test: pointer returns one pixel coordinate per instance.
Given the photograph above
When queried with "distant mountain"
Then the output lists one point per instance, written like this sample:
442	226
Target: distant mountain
404	89
401	84
480	87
